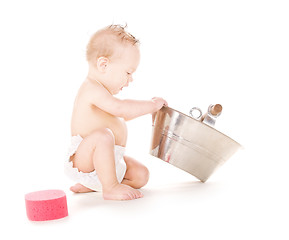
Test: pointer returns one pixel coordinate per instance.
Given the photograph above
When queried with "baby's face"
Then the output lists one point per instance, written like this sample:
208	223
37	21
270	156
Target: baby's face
119	70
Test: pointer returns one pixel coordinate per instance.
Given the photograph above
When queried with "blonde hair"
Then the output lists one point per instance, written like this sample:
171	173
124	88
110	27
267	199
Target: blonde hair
104	42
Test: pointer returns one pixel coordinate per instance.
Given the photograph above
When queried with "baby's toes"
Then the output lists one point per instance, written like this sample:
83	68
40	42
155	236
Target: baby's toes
138	194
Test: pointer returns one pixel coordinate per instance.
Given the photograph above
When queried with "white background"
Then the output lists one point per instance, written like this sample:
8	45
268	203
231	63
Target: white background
194	53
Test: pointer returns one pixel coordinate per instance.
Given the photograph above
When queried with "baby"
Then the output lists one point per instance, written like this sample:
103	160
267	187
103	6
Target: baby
99	134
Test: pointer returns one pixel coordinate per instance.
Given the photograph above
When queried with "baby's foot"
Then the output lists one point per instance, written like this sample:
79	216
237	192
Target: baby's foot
121	192
79	188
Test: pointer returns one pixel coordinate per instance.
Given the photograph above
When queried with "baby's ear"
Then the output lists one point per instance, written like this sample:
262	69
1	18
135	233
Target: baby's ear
102	63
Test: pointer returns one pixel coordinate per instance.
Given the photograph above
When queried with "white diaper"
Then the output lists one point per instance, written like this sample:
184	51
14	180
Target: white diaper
90	179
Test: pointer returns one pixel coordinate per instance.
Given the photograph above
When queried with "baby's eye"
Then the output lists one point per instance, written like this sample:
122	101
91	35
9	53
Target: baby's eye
128	73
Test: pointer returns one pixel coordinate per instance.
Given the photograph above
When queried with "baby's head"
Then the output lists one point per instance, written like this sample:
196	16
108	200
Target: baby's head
113	53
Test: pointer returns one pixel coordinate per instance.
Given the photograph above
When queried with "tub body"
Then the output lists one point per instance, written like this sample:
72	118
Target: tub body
190	144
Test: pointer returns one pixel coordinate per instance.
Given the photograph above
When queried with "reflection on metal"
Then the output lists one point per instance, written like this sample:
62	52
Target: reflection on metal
190	144
199	113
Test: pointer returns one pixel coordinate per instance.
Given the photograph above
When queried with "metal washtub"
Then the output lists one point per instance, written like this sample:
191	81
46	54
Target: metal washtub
189	144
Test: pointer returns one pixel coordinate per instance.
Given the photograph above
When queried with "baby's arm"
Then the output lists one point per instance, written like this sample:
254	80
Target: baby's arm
127	109
135	108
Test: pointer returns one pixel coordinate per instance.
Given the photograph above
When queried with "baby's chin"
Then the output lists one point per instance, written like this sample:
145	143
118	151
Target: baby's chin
119	90
115	92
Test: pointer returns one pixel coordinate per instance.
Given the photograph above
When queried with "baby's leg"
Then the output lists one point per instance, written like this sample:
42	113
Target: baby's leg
137	175
96	151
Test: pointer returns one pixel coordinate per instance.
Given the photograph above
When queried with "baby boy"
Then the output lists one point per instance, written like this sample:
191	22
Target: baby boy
97	159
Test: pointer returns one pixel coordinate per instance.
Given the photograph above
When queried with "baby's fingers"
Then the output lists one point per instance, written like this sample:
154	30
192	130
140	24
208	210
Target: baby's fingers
165	103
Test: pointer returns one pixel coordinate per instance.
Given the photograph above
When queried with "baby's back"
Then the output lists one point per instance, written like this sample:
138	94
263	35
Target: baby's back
87	118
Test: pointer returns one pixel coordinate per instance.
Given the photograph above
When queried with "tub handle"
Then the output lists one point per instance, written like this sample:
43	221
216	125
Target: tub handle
199	114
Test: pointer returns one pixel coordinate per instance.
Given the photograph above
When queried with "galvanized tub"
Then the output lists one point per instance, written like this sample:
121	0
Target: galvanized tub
190	144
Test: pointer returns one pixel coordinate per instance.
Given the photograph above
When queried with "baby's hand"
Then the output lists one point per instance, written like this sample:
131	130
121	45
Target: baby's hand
159	103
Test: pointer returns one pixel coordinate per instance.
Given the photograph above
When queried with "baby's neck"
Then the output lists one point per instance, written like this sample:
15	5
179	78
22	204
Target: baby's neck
93	75
93	80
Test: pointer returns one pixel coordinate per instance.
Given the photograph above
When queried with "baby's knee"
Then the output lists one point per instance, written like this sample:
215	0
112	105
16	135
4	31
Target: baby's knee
143	176
104	136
